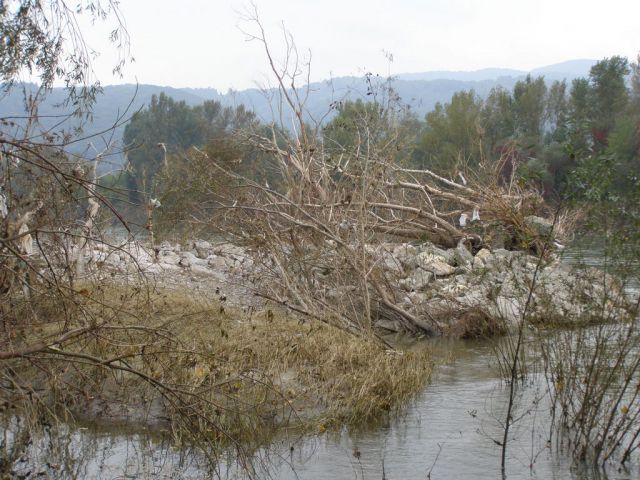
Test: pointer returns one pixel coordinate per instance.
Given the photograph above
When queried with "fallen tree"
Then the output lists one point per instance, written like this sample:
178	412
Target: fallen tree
320	234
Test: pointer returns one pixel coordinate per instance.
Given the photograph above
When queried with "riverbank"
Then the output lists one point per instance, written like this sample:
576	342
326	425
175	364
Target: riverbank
179	337
459	292
246	376
189	363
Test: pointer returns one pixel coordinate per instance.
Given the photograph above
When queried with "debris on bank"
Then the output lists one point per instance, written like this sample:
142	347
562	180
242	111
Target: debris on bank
445	287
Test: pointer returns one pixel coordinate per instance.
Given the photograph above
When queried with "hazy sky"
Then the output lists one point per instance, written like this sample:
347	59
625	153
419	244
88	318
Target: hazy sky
200	43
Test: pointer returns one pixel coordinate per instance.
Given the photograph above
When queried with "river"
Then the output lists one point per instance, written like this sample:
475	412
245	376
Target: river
451	430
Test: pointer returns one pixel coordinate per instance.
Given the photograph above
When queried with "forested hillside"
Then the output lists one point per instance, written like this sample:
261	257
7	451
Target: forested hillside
116	104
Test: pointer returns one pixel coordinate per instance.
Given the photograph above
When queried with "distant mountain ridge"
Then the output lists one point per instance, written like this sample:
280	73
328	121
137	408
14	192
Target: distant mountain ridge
565	70
419	91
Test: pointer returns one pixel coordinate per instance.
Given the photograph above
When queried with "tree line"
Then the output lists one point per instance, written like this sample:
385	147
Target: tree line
539	131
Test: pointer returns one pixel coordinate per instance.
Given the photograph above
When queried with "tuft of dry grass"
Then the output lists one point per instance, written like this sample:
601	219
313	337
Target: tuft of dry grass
203	370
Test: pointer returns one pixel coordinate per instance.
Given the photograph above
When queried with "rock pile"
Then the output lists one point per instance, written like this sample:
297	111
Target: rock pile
430	282
196	266
443	284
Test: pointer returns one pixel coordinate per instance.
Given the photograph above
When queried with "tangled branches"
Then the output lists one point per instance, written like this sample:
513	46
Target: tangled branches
324	217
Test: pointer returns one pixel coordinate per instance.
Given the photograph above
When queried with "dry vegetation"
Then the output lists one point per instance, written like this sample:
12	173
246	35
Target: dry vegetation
322	232
163	357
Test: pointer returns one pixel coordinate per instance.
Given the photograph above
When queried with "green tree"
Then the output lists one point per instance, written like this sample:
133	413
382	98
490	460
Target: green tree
453	133
529	97
354	122
578	133
362	125
609	96
166	128
579	108
498	119
557	110
225	120
172	124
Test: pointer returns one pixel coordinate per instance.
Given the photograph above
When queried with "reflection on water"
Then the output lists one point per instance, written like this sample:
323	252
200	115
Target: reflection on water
452	431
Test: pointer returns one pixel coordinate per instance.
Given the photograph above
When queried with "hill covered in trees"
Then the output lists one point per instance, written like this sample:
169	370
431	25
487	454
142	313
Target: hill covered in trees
117	103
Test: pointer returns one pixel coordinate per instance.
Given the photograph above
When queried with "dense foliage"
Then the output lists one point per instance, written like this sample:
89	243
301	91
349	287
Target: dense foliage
167	127
543	129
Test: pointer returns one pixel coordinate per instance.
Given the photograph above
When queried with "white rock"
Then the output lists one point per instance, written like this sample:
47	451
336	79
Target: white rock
202	248
187	259
169	258
217	262
438	267
462	256
153	268
201	270
166	246
169	267
483	254
113	259
407	284
421	279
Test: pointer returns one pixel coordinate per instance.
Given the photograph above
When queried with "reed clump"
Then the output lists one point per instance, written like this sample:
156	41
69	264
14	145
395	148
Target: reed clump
204	371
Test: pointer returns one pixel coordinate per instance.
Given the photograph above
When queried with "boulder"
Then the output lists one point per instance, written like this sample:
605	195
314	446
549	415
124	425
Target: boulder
186	259
228	250
202	248
436	265
407	284
420	279
199	269
390	262
107	258
481	259
169	257
166	246
153	268
538	225
483	254
447	255
406	255
462	256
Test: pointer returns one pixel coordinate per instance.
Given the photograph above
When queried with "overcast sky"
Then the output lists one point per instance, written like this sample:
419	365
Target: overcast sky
200	43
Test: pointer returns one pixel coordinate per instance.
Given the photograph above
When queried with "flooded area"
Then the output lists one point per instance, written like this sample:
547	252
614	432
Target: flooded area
453	429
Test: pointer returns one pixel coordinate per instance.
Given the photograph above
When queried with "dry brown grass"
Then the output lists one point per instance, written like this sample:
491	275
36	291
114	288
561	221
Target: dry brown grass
220	374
